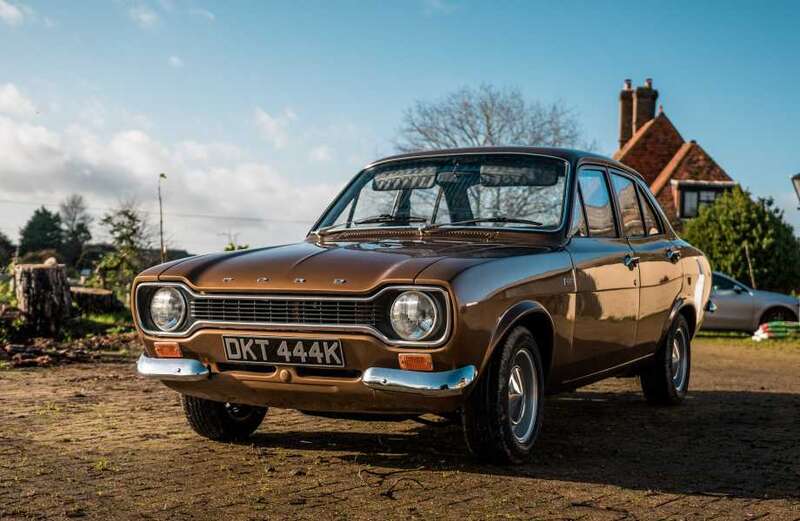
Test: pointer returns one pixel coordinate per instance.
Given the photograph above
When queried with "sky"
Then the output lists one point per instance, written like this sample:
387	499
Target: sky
260	112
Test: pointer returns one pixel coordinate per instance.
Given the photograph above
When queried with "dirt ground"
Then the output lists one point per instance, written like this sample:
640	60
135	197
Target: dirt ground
97	442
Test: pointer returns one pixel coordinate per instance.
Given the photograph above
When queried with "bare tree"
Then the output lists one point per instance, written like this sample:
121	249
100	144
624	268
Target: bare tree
75	223
488	116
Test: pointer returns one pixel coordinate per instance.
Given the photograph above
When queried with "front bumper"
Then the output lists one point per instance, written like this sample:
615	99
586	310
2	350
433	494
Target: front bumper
379	388
172	369
443	383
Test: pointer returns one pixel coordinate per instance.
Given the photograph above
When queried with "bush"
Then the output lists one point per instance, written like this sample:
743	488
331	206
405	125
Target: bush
722	229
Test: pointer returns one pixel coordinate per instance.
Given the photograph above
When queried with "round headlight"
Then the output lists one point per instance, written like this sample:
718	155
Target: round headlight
167	309
413	315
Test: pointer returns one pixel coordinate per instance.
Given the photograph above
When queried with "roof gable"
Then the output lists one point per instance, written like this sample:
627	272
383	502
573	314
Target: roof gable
692	162
651	147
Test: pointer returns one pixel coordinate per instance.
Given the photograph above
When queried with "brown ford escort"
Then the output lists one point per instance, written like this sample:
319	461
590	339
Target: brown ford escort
465	283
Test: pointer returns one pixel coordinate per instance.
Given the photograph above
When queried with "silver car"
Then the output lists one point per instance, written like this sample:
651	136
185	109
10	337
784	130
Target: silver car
744	309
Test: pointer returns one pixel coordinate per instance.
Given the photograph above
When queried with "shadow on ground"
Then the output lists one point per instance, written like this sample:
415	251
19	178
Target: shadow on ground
737	444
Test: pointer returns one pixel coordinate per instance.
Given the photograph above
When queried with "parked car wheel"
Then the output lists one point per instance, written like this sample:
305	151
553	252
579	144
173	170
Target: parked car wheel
775	314
503	415
665	381
220	421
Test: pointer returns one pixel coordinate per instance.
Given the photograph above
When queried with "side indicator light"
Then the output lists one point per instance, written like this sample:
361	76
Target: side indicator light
167	350
415	361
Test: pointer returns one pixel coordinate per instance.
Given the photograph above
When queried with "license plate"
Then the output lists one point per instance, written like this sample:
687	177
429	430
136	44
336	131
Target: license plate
283	351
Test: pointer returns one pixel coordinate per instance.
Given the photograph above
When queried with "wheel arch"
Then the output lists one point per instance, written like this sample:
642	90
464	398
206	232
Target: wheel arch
536	319
687	310
771	307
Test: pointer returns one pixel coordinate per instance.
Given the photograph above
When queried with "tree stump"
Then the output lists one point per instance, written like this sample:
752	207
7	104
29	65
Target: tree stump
43	296
97	300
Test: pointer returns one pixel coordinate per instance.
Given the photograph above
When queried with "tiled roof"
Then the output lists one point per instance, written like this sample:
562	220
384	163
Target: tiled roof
651	147
690	163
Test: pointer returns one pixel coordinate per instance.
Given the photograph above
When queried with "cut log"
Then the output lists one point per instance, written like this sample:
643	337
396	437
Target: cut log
96	300
43	296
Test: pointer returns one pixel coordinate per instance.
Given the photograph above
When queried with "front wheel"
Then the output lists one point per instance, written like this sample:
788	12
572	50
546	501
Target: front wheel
665	381
503	415
221	421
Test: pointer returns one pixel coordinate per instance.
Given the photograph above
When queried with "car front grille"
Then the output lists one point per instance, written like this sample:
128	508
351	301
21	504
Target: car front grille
278	311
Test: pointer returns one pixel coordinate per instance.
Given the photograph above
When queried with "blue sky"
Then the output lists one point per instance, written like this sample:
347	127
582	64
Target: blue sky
265	109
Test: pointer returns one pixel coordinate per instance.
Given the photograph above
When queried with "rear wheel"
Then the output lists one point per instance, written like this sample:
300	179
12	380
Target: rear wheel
665	381
503	415
777	314
222	421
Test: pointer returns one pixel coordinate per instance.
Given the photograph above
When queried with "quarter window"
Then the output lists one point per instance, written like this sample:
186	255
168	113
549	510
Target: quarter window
625	191
578	228
597	202
651	224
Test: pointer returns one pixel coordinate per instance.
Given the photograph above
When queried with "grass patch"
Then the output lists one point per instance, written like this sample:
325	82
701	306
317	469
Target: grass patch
99	324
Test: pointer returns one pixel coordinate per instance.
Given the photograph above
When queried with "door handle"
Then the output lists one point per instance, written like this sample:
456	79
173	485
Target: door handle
630	261
673	255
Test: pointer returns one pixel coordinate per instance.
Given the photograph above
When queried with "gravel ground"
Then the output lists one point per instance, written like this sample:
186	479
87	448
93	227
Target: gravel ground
96	442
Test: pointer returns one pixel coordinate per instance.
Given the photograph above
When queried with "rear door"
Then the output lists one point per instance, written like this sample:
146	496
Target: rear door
606	282
660	273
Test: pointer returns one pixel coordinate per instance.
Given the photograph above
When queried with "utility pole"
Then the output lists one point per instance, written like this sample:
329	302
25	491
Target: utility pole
161	218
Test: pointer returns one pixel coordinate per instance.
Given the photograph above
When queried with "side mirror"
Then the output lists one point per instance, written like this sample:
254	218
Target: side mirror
738	289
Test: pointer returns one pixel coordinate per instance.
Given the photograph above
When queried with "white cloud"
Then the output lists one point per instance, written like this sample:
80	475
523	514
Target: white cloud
14	103
143	16
175	61
203	13
321	153
274	128
11	14
44	165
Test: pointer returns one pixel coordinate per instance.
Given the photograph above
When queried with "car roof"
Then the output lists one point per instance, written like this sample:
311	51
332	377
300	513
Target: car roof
568	154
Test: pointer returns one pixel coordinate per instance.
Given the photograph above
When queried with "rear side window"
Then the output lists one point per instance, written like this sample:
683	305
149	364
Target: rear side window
651	224
597	202
628	203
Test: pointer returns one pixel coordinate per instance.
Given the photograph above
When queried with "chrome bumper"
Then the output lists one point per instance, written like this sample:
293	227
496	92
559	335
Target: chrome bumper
176	369
444	383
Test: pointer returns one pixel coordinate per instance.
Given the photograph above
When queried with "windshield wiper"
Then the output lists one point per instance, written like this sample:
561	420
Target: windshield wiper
507	220
382	218
388	218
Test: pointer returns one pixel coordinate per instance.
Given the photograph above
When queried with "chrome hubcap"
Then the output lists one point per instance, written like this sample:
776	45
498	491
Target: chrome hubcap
523	396
680	362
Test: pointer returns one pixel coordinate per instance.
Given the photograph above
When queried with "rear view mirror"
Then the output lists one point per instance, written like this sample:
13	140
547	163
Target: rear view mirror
409	178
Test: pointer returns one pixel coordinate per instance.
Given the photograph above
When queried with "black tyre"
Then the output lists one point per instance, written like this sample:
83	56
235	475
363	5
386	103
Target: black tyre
777	314
665	380
503	415
221	421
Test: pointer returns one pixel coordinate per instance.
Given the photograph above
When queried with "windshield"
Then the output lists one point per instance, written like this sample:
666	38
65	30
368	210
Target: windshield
512	191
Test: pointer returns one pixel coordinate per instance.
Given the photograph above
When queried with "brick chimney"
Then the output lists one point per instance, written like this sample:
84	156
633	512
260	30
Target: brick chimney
625	113
644	104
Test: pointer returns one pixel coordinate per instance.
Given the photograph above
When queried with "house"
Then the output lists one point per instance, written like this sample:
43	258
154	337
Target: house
681	174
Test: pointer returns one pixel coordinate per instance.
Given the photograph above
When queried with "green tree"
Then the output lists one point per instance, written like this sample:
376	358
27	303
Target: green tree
41	232
75	222
6	250
722	229
131	237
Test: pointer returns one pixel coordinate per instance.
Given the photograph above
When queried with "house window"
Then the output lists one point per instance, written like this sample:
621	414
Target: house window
694	198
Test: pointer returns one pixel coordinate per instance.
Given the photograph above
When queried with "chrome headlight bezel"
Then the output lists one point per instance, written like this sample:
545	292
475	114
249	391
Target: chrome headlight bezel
428	323
181	307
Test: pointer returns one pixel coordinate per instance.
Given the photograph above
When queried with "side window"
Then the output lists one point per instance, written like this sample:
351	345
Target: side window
578	228
721	283
651	224
628	203
597	202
